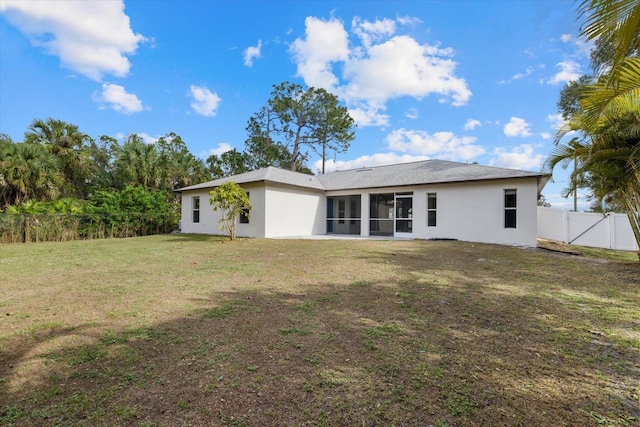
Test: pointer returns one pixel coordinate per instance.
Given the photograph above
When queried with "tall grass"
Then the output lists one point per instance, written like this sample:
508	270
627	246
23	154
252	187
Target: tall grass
25	228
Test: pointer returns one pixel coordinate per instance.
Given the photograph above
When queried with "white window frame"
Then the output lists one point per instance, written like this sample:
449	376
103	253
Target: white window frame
242	218
195	209
510	210
434	197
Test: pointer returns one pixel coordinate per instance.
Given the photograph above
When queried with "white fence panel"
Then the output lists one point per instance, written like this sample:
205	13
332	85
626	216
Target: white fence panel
552	224
622	233
611	231
588	229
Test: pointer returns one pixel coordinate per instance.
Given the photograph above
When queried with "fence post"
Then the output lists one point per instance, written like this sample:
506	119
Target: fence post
611	224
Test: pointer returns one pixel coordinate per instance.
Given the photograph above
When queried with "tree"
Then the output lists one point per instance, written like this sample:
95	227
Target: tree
66	142
607	116
179	168
229	163
102	155
295	118
138	163
615	23
28	172
232	201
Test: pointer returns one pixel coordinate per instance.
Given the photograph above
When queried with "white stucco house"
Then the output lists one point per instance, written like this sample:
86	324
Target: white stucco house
432	199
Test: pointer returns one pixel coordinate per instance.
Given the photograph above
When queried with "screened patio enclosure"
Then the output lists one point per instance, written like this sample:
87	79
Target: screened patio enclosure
390	214
343	214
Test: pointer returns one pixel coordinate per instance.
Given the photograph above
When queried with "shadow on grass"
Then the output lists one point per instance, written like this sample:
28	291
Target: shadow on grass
437	344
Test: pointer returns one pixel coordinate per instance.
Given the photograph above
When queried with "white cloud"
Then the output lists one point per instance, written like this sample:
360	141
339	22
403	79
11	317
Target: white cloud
546	135
408	20
204	102
383	66
526	73
369	115
520	157
444	145
403	67
517	127
326	42
251	53
379	159
412	114
118	99
369	32
90	37
556	120
566	38
222	148
148	139
471	124
569	71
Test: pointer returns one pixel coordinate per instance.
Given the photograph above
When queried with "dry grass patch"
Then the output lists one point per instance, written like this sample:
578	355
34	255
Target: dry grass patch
193	330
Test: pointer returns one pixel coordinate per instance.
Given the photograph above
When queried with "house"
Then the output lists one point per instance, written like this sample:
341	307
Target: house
432	199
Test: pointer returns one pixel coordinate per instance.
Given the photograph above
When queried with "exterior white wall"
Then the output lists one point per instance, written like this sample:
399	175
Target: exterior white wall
210	219
294	212
468	211
465	211
475	212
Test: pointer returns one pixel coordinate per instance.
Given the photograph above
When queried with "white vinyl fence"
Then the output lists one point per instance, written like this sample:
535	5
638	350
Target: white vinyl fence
611	231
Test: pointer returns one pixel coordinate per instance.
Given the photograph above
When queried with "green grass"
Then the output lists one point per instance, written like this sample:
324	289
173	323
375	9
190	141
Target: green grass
179	330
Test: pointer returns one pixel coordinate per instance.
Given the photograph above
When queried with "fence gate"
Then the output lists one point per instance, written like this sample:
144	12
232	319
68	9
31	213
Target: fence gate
610	230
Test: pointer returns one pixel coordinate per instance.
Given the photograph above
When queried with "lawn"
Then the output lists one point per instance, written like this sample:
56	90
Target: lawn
192	330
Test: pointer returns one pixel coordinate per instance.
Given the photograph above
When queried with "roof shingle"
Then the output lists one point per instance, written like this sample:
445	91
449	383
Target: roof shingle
404	174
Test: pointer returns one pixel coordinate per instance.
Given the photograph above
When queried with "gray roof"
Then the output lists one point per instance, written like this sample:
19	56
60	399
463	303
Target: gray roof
269	174
404	174
416	173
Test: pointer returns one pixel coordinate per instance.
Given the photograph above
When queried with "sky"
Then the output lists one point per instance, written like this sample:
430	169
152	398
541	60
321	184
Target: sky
461	80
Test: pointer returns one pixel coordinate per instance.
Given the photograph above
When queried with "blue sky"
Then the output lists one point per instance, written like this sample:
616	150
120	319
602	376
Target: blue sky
455	80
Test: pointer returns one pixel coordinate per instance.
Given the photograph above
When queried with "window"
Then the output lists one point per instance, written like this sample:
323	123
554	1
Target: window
195	205
431	209
244	215
510	208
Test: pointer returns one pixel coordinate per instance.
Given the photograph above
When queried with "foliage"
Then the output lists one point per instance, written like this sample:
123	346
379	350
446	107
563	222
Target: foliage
232	200
57	159
102	155
68	145
230	163
180	167
27	171
542	201
295	118
132	211
616	23
606	155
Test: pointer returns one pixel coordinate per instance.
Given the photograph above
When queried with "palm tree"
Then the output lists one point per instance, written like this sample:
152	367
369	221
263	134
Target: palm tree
68	144
607	158
138	163
615	21
29	172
